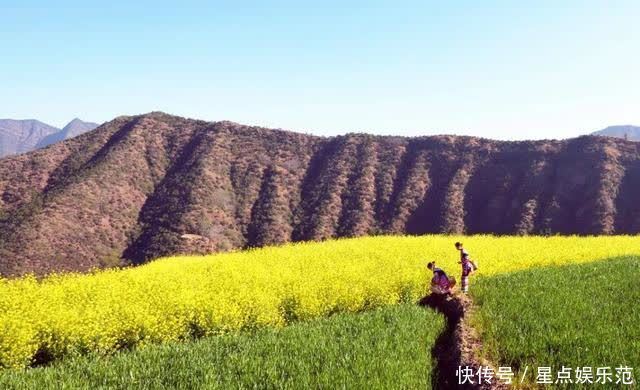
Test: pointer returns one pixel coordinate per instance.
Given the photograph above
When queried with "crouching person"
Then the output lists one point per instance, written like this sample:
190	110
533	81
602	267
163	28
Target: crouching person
440	283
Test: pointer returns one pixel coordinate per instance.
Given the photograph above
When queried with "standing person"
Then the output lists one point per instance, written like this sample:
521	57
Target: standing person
467	267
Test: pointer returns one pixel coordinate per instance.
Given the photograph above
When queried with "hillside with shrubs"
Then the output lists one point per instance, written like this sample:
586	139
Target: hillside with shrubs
152	185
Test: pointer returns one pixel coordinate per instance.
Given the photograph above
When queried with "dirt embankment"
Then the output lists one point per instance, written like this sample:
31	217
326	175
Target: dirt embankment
456	347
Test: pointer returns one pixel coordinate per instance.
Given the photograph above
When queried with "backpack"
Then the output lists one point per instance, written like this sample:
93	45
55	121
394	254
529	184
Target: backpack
474	265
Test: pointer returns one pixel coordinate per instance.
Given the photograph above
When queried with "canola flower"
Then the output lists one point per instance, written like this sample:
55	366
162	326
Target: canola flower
185	296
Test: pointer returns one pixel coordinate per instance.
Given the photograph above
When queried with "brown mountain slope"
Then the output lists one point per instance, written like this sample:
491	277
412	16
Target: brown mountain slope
141	187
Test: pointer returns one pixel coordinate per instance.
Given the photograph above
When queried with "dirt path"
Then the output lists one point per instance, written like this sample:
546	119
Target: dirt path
455	346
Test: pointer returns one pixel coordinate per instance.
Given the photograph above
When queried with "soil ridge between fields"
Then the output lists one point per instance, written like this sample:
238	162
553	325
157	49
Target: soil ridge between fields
456	345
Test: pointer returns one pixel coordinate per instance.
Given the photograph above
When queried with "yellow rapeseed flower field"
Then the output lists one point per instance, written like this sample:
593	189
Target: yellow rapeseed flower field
184	296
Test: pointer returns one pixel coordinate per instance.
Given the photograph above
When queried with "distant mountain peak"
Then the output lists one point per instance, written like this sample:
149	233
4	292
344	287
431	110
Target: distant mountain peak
75	121
19	136
24	135
77	126
629	132
72	129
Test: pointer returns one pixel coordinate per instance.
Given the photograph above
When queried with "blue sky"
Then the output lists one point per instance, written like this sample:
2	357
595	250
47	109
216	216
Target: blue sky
506	70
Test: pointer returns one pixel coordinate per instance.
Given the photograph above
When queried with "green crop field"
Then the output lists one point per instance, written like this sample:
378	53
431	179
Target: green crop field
384	348
582	315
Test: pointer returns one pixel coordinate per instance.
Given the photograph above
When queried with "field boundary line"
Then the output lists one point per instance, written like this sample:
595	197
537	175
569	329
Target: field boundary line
457	344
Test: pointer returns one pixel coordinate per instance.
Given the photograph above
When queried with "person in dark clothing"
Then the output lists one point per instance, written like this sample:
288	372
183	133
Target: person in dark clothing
440	283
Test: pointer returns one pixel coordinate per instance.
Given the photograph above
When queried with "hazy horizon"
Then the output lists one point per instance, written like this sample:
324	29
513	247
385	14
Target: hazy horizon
307	131
500	71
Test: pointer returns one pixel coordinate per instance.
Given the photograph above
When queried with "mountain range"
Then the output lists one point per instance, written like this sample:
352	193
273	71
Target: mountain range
141	187
20	136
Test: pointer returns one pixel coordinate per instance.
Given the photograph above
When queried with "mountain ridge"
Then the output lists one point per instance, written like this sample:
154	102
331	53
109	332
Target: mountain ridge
152	185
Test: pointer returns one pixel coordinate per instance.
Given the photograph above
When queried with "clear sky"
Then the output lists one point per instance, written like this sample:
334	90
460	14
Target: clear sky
549	69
